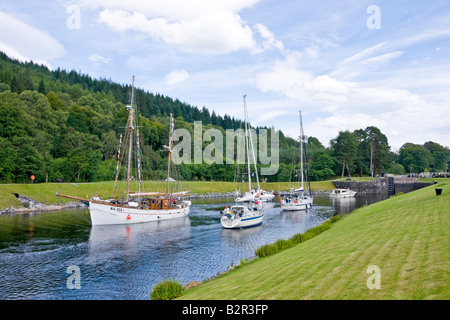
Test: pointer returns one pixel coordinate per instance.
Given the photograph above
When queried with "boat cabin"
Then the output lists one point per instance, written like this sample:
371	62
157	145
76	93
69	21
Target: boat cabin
158	203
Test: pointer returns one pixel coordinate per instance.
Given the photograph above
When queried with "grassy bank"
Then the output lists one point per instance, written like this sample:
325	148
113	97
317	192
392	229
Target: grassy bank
407	237
45	192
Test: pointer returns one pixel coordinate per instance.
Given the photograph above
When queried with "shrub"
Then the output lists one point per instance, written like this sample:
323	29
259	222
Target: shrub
266	250
269	249
166	290
284	244
335	218
297	238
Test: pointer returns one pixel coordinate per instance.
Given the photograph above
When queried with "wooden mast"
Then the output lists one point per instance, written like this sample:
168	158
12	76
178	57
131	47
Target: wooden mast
170	151
301	147
130	138
247	144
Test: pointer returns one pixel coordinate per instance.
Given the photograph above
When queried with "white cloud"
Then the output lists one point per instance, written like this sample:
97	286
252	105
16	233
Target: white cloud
210	27
285	77
173	10
365	62
176	77
98	58
269	41
394	103
218	32
24	42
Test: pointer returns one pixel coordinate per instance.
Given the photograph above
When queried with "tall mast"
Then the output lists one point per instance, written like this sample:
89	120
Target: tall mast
246	143
170	151
130	137
249	137
301	146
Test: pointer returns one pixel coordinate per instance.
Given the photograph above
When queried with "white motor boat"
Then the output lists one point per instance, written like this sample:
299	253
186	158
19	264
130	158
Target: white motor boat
342	193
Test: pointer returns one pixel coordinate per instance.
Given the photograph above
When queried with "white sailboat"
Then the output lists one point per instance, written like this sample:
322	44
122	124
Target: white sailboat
136	207
250	213
298	199
255	194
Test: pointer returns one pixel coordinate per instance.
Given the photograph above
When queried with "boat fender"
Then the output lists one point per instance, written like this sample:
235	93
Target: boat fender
128	217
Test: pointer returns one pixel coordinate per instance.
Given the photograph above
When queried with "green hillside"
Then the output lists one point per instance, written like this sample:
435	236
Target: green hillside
60	125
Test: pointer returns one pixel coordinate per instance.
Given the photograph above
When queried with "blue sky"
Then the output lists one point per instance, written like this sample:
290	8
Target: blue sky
321	57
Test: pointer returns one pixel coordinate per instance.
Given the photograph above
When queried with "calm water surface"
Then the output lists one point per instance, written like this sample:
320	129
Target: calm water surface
125	261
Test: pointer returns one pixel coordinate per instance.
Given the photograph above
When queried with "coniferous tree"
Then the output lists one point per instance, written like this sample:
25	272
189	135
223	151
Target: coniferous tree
41	88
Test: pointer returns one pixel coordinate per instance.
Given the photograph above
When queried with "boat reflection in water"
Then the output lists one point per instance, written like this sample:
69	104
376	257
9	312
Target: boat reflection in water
109	237
293	217
343	205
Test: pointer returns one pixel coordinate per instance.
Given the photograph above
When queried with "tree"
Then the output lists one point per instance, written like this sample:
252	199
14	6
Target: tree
11	119
415	158
440	156
396	168
55	102
362	159
344	150
30	161
8	156
373	151
80	118
41	88
322	167
379	149
15	85
82	165
313	145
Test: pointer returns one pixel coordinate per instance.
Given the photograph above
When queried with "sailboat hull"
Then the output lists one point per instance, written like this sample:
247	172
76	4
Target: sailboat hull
297	205
244	222
106	214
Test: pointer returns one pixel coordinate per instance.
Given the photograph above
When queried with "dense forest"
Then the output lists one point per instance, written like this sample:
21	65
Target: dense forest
64	126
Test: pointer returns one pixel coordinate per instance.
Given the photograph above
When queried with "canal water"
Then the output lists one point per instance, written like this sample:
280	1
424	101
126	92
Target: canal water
39	251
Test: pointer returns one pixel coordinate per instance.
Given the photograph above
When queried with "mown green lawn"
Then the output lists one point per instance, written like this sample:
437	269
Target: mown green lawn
407	237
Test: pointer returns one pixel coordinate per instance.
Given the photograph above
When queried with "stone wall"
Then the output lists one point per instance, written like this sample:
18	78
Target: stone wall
381	185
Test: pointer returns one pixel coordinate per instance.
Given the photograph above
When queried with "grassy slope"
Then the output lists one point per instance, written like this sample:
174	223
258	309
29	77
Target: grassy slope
406	236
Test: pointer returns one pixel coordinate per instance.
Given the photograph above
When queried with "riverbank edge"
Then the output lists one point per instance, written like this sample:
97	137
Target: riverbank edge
30	205
28	198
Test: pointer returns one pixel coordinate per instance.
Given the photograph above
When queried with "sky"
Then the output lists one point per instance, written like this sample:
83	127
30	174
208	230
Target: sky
345	64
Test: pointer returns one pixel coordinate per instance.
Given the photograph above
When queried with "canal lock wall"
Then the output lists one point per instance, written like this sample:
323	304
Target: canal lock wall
389	186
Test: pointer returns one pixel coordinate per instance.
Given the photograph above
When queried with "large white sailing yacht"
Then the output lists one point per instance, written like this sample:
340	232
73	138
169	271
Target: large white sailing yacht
135	206
249	212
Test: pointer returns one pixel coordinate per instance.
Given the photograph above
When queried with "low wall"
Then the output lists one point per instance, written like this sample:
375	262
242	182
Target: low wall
388	186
